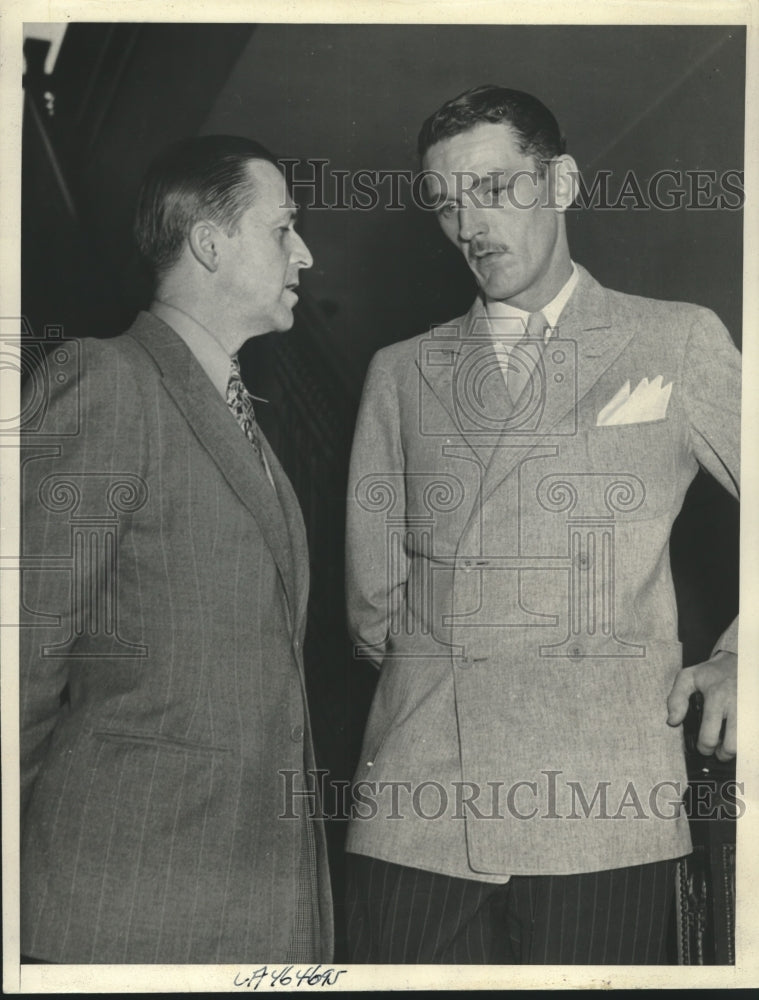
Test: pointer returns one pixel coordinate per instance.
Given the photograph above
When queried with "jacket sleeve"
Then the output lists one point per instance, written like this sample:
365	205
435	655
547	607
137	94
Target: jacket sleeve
712	399
63	465
375	576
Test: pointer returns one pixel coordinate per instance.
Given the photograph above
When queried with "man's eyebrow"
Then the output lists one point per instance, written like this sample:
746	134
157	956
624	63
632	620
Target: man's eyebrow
467	181
490	178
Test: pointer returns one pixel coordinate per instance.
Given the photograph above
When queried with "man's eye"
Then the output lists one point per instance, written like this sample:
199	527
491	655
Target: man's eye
447	209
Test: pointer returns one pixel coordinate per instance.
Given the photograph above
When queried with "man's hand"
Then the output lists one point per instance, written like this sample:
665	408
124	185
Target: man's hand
717	680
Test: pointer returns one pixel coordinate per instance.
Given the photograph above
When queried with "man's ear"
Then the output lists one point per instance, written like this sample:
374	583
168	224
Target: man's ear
565	181
203	240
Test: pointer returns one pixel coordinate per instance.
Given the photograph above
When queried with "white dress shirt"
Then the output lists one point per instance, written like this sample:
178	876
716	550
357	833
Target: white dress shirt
508	323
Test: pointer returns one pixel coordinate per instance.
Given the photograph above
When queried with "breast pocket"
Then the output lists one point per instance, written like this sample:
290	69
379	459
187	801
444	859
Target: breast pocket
634	469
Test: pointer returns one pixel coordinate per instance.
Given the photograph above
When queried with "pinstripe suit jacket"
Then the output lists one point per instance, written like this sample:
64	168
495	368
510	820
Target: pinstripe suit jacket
170	604
511	578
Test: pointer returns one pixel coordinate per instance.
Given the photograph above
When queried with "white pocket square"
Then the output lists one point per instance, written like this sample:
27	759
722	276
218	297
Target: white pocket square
648	401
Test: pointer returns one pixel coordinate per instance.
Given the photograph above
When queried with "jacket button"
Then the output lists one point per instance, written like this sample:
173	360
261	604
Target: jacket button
583	561
465	662
575	651
296	734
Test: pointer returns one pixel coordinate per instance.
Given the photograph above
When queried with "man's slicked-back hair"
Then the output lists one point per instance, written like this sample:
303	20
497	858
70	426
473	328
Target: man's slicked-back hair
534	127
205	177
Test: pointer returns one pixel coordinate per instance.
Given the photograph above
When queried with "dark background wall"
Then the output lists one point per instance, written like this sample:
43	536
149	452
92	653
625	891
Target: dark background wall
637	98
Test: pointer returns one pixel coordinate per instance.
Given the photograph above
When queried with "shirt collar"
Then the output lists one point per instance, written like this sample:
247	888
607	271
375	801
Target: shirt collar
208	352
502	310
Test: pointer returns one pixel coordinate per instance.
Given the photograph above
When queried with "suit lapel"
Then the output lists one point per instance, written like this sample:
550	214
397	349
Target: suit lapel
216	429
459	367
586	324
296	529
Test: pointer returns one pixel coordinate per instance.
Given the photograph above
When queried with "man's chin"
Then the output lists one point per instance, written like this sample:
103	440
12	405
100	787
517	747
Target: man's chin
284	321
497	286
499	290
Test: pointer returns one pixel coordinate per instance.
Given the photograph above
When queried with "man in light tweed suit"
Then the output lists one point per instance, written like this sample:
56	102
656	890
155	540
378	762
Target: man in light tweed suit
515	477
162	687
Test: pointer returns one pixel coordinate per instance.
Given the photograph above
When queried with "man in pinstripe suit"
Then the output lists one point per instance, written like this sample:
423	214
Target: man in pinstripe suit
162	687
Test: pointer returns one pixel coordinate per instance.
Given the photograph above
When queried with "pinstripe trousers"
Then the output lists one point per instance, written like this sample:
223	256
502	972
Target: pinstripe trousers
400	915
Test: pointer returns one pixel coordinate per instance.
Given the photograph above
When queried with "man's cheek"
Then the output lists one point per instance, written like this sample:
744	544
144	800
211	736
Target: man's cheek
449	228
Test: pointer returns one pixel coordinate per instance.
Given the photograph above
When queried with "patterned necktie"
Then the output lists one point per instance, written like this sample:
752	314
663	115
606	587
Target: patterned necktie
525	356
241	404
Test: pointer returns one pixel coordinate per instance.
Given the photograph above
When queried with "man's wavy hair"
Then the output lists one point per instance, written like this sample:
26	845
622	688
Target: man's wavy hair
536	130
204	177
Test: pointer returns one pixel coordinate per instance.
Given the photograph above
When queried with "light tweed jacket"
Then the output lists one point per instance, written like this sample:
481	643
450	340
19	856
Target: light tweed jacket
509	572
151	798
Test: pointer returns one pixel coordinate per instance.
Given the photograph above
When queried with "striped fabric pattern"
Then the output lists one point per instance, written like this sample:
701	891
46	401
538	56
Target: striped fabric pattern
405	915
151	799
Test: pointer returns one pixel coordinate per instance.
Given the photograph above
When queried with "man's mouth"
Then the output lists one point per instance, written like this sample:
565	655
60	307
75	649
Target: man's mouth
483	255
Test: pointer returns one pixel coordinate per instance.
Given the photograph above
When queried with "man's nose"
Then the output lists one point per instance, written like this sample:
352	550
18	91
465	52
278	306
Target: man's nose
300	253
472	222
